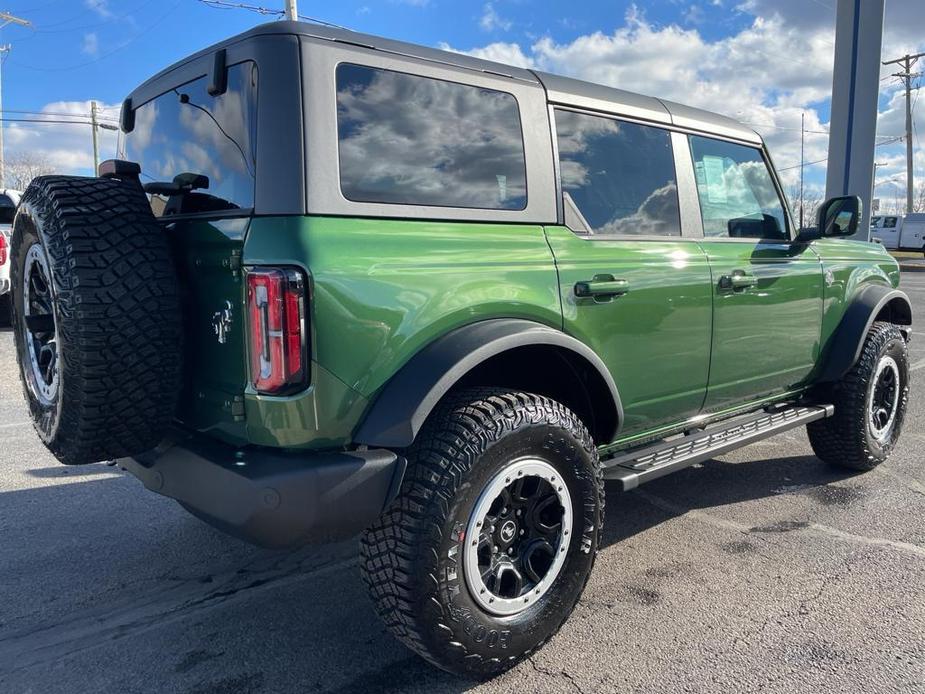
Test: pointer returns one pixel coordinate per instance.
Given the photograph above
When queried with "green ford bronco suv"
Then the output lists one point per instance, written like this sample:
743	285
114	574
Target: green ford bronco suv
337	284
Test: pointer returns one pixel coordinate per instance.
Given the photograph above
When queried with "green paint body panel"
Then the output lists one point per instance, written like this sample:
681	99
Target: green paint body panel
209	255
382	290
678	346
765	337
655	339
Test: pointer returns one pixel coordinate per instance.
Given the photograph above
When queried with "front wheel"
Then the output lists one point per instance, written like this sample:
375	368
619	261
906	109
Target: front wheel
870	404
489	544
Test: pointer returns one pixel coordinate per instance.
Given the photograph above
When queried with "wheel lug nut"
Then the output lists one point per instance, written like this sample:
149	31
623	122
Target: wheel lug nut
521	532
495	549
510	551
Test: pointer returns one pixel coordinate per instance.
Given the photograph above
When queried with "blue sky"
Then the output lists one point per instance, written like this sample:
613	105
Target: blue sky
762	61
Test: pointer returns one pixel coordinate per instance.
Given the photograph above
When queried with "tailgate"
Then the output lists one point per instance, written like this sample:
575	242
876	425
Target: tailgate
208	255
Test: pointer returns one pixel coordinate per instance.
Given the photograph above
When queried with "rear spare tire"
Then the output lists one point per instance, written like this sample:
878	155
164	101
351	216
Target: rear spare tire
96	317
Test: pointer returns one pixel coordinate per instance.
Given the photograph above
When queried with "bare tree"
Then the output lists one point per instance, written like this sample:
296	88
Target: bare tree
21	168
811	202
918	202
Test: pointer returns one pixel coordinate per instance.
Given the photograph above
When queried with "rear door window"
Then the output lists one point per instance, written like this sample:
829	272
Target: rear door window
412	140
187	131
617	177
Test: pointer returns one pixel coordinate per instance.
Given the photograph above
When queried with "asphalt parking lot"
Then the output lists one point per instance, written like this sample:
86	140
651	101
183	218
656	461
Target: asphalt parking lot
763	570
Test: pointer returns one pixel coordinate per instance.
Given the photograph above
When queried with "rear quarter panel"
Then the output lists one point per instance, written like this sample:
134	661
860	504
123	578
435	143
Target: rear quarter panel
382	290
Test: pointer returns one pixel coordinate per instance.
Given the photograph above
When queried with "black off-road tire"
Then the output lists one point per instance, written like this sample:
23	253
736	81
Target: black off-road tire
846	439
117	320
412	556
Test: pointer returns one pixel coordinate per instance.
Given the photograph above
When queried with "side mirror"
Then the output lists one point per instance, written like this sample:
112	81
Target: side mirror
839	216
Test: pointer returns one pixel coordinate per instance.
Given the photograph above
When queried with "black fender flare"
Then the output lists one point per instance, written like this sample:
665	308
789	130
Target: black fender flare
402	406
845	345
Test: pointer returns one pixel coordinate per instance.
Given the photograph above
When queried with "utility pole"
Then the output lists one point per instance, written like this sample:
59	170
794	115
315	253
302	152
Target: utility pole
292	13
907	61
96	143
6	18
802	133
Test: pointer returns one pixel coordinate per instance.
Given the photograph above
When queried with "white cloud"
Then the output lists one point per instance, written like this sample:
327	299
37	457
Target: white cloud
91	44
769	73
100	7
68	148
507	53
491	20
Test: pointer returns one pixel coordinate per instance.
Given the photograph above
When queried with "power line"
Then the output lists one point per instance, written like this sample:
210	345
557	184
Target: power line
160	18
266	11
61	114
820	161
105	126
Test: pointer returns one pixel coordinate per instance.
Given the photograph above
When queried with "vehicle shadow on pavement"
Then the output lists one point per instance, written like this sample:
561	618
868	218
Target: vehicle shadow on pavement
107	580
205	607
713	484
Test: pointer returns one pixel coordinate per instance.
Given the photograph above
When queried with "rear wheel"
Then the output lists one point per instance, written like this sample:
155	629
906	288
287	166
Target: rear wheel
490	542
96	317
870	404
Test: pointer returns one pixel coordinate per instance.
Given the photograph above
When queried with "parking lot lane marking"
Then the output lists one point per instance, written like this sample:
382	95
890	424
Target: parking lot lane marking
918	365
871	541
827	530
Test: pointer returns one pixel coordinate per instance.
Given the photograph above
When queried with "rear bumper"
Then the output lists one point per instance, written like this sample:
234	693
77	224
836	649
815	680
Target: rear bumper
271	498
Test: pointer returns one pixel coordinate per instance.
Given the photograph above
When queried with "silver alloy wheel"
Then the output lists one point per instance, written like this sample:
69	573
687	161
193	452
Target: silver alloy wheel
883	400
40	331
517	537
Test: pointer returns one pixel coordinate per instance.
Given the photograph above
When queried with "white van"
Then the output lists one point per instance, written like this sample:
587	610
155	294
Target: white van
899	233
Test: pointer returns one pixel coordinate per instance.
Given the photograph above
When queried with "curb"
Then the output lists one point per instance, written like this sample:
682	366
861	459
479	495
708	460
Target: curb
911	268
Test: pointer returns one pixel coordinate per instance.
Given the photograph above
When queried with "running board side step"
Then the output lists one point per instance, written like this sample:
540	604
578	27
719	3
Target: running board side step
661	458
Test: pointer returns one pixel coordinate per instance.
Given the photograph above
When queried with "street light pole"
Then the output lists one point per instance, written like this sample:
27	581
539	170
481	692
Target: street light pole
292	12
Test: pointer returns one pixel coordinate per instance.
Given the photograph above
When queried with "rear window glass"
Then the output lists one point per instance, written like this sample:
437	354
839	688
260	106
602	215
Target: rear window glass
413	140
187	131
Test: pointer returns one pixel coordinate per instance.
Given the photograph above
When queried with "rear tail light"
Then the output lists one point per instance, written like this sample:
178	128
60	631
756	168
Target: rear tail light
276	310
3	254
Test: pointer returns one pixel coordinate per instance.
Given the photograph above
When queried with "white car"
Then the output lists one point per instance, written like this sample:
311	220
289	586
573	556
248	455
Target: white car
9	199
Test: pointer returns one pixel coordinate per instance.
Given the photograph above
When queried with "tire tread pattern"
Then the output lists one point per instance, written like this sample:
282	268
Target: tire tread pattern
118	316
842	439
399	552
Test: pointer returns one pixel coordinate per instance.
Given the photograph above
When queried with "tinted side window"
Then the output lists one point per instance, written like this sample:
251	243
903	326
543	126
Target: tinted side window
188	131
620	176
414	140
738	198
7	209
889	222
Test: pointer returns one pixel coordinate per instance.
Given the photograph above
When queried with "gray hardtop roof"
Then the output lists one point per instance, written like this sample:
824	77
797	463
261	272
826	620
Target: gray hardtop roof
560	90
